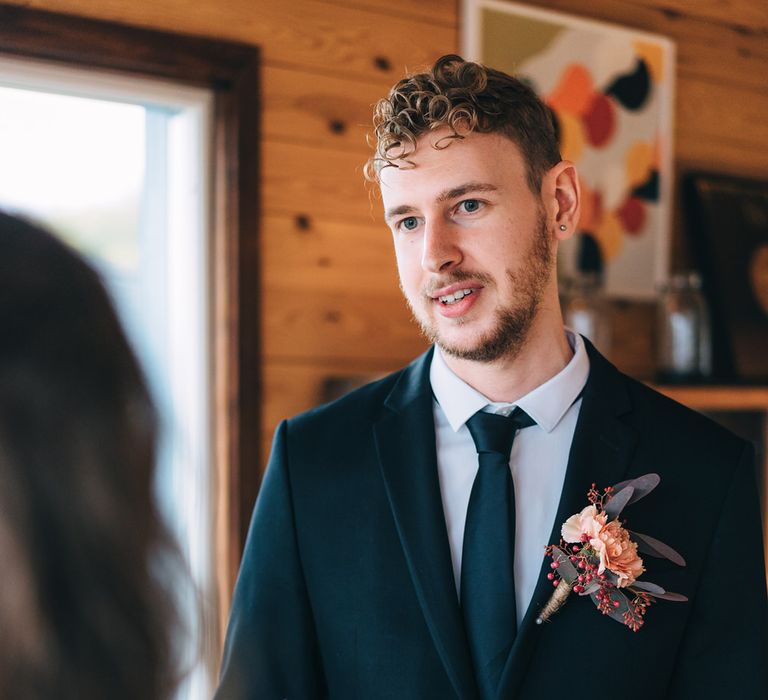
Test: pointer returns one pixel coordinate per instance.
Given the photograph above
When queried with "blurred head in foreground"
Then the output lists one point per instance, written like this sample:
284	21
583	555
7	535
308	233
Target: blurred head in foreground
82	611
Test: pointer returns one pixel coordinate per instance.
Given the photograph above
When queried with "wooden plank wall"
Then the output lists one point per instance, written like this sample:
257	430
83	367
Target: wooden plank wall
329	303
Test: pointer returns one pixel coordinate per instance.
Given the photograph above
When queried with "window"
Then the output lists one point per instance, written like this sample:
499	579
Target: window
120	168
208	253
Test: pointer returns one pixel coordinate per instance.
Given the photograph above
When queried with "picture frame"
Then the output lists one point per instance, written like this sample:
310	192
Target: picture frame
611	90
727	229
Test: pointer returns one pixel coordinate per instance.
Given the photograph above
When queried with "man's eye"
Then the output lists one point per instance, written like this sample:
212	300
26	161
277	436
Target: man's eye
470	206
410	223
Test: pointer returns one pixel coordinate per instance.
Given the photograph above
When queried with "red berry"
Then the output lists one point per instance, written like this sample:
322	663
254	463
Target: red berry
615	603
550	576
555	564
581	564
554	583
581	578
575	548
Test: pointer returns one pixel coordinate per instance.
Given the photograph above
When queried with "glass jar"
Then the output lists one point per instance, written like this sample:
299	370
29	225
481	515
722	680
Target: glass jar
683	331
587	311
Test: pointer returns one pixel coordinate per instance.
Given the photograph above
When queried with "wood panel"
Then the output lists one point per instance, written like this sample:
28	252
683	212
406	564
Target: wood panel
318	256
699	116
442	12
746	16
331	112
338	40
317	182
371	325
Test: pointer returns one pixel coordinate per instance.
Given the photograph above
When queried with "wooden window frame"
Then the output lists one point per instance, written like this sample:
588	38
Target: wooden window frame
230	71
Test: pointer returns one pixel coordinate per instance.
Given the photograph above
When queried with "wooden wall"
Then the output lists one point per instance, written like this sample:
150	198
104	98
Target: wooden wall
330	303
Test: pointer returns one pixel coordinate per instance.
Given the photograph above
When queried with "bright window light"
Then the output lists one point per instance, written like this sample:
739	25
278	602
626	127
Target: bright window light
119	167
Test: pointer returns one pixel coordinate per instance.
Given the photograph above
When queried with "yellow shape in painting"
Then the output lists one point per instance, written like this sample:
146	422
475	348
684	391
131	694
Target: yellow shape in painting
640	159
653	57
572	136
509	40
574	92
610	235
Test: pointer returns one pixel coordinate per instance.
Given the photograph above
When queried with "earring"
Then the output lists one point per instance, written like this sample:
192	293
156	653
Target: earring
563	227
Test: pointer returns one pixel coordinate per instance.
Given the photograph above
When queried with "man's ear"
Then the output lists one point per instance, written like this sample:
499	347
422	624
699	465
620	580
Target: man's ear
561	195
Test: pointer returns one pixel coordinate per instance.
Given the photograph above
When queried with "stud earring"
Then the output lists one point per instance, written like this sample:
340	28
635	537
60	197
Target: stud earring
563	227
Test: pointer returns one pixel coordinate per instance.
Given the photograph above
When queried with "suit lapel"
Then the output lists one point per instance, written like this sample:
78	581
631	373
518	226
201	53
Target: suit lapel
601	450
405	441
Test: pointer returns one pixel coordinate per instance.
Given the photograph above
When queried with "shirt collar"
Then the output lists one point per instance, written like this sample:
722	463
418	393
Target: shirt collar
546	404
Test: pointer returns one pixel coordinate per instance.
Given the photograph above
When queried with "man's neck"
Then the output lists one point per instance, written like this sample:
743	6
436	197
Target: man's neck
541	357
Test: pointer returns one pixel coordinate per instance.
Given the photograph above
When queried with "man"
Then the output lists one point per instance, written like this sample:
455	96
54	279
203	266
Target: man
388	559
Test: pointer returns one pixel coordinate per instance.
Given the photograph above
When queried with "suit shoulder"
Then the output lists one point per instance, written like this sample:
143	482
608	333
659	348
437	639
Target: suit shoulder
363	403
669	419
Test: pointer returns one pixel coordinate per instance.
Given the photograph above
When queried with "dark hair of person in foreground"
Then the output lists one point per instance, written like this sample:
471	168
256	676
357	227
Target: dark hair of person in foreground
83	612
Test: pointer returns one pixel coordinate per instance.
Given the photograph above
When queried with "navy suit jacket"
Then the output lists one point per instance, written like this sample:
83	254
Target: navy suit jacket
346	588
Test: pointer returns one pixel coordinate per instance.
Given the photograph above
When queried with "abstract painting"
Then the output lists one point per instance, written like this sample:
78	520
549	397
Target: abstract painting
611	92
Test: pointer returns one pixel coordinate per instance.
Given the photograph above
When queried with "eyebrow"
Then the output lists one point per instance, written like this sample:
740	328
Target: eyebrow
446	195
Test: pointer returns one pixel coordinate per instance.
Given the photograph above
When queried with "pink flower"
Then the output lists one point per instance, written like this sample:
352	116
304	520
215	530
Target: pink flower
588	522
617	553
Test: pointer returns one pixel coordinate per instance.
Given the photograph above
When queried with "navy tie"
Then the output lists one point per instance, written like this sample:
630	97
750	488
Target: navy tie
488	558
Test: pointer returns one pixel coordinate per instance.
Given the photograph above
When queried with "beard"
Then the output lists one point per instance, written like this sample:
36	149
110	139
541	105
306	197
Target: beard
513	320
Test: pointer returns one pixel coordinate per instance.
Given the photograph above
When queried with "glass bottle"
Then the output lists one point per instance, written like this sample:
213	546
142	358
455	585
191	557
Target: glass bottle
683	331
587	311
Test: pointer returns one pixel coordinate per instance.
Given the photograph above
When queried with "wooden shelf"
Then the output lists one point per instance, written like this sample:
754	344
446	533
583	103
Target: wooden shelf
718	398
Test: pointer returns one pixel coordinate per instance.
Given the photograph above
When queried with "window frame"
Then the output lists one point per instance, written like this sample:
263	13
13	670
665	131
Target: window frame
230	71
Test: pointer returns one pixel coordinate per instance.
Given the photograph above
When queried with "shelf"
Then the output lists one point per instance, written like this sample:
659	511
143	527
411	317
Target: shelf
718	398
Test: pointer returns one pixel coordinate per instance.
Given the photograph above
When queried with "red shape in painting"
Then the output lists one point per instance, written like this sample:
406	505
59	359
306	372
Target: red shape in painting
632	215
600	120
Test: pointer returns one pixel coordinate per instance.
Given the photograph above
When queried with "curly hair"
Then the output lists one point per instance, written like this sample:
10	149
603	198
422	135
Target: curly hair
464	97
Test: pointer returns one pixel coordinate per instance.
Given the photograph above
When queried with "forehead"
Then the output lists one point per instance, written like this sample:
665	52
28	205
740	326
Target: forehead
485	158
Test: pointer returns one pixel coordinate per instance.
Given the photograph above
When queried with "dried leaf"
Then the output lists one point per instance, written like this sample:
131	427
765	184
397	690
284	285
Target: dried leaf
616	503
566	569
650	545
649	587
676	597
591	588
642	485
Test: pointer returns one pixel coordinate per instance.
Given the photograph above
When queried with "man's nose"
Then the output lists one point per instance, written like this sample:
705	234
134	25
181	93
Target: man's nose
441	250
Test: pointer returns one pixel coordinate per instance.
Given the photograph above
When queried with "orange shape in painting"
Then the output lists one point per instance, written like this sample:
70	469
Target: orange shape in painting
653	57
640	160
574	91
600	120
632	215
610	235
572	136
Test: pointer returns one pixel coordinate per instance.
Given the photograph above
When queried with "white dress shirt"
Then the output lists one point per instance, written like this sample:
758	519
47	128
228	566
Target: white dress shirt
538	461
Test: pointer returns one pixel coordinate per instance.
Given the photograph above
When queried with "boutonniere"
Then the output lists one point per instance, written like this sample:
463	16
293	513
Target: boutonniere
598	557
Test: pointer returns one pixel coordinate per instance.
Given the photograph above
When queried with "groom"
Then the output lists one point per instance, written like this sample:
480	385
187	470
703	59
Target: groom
397	546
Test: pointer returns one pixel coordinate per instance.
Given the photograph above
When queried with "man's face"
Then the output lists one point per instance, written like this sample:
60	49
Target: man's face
471	241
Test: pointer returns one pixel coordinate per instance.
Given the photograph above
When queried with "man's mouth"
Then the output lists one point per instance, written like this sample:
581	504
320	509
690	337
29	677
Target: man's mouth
458	295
